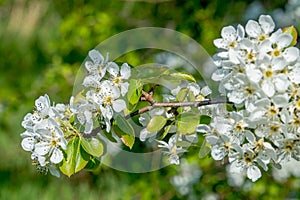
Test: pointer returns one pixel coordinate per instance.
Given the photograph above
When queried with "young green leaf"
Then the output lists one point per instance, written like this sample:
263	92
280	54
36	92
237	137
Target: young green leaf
76	159
183	76
92	146
92	164
182	94
204	150
187	123
124	130
156	123
134	91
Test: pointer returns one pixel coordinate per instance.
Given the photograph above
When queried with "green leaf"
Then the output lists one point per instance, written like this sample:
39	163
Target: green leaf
156	123
187	123
124	130
134	91
92	164
205	119
182	94
167	129
92	146
76	159
204	150
291	30
183	76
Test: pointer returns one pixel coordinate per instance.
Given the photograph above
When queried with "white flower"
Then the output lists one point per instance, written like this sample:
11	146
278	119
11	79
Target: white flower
262	29
51	142
97	65
230	37
119	76
171	149
42	105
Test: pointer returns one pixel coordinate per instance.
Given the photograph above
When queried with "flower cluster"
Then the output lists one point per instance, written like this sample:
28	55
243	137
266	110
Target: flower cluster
178	143
49	126
259	72
106	84
44	137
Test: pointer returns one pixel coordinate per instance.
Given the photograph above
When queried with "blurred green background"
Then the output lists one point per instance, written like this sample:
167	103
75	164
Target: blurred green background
42	45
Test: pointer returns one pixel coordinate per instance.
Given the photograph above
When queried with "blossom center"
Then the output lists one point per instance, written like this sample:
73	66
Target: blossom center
276	53
117	80
108	100
273	110
268	73
232	44
289	146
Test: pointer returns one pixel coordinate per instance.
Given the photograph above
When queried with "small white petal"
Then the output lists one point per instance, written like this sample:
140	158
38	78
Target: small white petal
294	75
124	88
42	148
113	69
220	43
54	171
119	105
291	54
56	156
205	91
203	128
253	29
28	143
268	88
284	40
212	139
267	24
228	33
217	153
281	83
253	173
254	75
96	56
125	71
88	127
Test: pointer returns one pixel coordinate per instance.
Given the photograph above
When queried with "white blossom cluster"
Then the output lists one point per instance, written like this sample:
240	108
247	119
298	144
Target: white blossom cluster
173	149
49	125
43	136
106	84
259	73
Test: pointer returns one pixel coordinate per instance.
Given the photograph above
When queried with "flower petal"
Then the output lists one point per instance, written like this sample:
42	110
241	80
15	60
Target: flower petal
56	156
253	29
268	88
267	24
96	56
253	173
119	105
125	71
28	143
42	148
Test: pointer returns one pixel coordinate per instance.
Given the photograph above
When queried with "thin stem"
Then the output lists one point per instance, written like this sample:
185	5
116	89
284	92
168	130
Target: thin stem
148	97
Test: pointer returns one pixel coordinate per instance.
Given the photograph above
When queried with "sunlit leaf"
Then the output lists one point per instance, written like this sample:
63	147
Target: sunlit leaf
92	146
187	123
134	91
124	130
156	123
182	94
183	76
291	30
76	159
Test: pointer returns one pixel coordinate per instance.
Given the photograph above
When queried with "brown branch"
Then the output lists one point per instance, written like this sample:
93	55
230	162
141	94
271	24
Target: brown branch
176	105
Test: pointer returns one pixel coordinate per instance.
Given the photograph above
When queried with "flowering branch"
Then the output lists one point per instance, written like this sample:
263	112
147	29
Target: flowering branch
154	104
